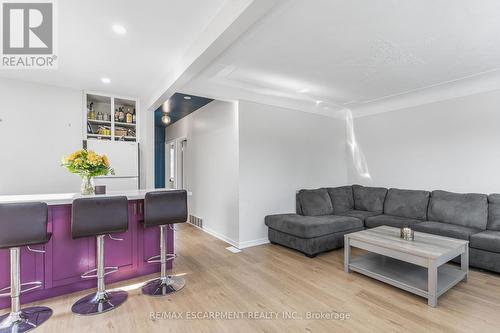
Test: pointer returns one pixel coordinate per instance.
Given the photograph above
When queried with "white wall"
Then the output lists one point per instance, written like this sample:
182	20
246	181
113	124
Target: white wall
247	160
282	151
39	125
212	166
146	148
451	145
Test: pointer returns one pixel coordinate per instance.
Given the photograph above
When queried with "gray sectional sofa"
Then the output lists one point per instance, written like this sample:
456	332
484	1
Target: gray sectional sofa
323	216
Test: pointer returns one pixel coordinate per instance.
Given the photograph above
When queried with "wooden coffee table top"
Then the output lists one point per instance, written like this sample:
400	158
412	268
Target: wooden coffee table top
424	245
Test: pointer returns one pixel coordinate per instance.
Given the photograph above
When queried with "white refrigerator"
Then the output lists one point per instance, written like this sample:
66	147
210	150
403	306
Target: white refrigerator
124	159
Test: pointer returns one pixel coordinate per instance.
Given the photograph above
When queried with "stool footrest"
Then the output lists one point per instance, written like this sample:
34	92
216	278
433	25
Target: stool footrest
35	250
35	284
110	269
4	289
156	259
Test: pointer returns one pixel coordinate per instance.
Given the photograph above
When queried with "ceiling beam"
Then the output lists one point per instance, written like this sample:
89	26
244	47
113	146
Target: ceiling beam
233	20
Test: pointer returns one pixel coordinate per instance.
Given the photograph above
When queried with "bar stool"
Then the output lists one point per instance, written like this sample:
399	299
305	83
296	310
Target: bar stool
162	209
99	217
22	224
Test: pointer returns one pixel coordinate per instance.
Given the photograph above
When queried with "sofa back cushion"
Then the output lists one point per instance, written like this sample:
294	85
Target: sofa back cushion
342	199
314	202
407	203
369	198
465	209
494	212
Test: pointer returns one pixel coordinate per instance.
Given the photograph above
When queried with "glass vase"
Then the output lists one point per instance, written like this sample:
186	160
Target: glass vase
88	187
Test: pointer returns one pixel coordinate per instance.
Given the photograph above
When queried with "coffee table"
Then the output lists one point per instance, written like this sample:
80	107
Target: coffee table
418	266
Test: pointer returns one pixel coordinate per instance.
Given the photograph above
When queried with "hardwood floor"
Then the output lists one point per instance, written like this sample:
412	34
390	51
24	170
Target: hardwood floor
270	278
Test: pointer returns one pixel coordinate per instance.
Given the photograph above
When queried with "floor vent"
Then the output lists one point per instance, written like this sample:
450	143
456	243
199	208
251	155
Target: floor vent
233	249
195	220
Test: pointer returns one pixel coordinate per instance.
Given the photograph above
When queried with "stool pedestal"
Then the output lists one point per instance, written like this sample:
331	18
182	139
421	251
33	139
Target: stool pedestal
165	284
102	301
20	320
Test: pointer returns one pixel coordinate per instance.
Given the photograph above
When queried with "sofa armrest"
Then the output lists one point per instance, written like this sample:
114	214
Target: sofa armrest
298	208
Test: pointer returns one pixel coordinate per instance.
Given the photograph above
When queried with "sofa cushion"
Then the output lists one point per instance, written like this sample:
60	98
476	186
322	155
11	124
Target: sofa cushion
342	198
488	240
315	202
468	210
360	214
389	220
407	203
369	198
311	226
494	212
445	229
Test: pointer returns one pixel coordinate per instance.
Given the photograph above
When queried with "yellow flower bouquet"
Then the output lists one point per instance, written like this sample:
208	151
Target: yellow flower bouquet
88	165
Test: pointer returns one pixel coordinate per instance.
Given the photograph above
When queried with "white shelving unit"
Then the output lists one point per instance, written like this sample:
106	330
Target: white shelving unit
105	117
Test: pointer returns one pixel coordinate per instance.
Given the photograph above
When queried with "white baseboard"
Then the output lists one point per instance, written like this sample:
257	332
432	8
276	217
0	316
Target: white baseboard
239	245
253	242
217	235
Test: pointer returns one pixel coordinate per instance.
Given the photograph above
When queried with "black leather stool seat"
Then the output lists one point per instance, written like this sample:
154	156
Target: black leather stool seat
162	209
23	224
99	216
165	207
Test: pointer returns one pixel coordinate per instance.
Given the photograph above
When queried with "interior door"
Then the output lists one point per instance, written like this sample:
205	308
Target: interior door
171	164
182	183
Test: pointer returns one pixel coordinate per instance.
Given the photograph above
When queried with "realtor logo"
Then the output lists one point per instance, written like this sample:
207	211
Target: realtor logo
28	32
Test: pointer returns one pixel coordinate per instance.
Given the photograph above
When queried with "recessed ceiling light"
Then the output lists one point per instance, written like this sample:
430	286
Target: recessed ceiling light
105	80
166	119
119	29
187	97
303	91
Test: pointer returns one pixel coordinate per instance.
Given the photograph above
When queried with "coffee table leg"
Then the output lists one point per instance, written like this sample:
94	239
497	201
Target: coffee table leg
347	253
432	284
464	262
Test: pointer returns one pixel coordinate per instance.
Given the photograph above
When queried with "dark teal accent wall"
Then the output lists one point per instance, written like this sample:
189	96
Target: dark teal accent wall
159	150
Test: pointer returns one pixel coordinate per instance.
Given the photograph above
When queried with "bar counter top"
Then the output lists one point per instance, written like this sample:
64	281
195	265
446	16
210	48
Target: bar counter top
67	198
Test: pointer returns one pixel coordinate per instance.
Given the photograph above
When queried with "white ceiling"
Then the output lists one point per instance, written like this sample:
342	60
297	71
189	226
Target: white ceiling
325	55
159	33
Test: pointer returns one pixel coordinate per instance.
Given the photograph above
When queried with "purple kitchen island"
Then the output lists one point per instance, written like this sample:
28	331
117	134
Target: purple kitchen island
66	259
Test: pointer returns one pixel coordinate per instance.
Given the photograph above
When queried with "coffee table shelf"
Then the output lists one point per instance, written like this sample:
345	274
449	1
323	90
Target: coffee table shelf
405	275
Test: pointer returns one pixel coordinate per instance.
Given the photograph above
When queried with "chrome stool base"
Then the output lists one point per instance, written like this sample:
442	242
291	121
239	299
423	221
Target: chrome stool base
94	304
163	287
26	320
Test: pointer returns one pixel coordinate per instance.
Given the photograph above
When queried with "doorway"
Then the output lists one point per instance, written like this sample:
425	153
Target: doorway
176	163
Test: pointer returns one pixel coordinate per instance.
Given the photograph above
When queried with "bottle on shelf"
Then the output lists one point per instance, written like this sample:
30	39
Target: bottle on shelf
117	113
91	112
133	116
129	116
121	115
